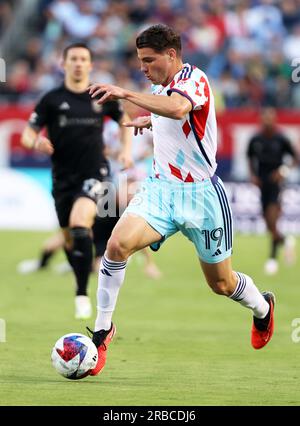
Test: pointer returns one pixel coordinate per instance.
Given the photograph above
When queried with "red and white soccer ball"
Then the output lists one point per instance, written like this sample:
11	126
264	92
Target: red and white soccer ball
74	355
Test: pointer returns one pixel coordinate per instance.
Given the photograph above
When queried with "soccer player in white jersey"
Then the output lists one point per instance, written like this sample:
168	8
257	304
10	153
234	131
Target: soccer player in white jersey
184	194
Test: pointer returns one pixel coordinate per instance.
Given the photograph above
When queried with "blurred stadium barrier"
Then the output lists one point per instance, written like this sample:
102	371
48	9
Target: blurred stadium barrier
25	200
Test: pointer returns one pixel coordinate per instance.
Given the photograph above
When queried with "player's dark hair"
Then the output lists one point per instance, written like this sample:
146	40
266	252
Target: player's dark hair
74	45
159	38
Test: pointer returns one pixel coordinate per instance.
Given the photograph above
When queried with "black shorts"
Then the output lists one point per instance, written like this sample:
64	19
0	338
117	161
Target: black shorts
102	230
270	194
65	199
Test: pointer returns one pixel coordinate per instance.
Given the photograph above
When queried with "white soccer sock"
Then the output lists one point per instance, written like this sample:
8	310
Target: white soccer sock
248	295
110	279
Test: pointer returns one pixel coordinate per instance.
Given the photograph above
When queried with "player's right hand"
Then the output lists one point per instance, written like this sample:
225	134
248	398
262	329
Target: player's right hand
43	144
139	124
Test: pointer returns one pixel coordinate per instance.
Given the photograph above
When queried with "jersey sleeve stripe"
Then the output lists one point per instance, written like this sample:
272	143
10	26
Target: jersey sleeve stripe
183	94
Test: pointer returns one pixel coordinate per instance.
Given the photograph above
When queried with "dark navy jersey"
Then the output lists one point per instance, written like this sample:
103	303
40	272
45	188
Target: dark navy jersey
74	124
267	152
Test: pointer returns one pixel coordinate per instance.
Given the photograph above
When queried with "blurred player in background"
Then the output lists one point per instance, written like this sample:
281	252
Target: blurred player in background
49	248
74	125
184	194
101	232
142	156
266	153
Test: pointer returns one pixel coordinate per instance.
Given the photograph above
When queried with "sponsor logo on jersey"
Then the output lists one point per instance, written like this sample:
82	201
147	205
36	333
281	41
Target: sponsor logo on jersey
64	106
62	120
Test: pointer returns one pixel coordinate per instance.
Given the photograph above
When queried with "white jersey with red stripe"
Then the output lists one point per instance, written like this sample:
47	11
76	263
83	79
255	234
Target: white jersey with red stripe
185	150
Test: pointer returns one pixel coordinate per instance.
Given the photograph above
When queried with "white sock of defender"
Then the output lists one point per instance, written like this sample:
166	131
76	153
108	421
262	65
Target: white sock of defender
110	279
248	295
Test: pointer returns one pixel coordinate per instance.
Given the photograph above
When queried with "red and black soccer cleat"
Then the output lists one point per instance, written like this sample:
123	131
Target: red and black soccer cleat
263	328
102	339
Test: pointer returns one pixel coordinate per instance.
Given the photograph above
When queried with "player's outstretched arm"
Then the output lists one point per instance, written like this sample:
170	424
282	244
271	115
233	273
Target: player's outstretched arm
32	139
139	124
175	106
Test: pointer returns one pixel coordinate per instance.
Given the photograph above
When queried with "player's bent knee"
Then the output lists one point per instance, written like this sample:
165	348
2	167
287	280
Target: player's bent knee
117	250
222	287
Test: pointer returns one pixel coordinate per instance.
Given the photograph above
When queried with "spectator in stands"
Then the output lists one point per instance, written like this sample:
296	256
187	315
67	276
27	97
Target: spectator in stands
5	15
223	38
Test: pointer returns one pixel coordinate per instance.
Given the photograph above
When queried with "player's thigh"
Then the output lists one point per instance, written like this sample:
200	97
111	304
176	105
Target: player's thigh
132	233
63	205
270	194
83	212
220	276
210	227
272	210
86	197
152	208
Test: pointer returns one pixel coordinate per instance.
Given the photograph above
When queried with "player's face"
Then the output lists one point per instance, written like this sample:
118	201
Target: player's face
158	67
268	117
77	64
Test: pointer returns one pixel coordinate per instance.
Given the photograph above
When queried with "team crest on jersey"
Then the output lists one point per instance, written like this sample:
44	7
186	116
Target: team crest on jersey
64	106
96	107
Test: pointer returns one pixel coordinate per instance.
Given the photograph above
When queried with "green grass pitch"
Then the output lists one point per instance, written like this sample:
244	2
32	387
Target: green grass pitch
177	343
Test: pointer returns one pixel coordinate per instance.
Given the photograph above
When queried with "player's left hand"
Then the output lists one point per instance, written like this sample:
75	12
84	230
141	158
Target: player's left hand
139	123
107	92
125	159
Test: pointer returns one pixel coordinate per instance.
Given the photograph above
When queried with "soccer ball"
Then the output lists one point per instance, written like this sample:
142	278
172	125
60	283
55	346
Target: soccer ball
74	355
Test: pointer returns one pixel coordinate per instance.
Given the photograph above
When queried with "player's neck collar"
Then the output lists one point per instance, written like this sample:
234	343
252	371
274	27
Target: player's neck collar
177	72
71	90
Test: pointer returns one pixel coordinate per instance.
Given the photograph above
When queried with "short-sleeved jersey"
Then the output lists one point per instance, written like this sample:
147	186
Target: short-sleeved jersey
267	152
185	150
75	124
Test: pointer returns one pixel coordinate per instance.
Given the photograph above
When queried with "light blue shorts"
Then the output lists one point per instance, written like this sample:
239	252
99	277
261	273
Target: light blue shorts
199	210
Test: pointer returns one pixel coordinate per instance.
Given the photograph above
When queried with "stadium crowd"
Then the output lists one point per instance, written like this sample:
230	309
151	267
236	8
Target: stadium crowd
245	46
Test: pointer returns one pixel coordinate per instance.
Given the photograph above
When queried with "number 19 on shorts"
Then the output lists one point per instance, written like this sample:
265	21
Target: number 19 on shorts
213	235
